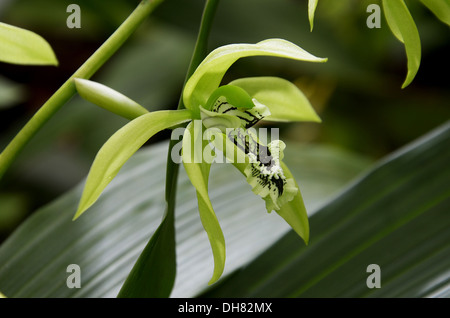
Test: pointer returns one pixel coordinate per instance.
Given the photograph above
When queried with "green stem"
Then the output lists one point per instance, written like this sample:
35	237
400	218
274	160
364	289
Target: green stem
67	90
201	46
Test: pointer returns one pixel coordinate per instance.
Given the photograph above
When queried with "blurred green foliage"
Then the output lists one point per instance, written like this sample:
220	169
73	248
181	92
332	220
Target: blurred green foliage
357	92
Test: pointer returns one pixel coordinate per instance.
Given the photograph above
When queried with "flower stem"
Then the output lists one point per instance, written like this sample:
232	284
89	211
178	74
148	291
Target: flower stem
67	90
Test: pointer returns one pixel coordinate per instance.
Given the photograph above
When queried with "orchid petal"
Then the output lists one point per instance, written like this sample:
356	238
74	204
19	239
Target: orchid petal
312	5
286	102
24	47
197	170
208	75
403	27
121	146
291	206
109	99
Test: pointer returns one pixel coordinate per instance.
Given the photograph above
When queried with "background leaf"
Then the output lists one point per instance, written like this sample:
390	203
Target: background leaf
107	241
395	216
20	46
10	93
312	5
294	212
403	27
153	274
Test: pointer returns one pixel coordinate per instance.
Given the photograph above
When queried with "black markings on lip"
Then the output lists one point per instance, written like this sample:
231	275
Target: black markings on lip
263	168
250	118
264	160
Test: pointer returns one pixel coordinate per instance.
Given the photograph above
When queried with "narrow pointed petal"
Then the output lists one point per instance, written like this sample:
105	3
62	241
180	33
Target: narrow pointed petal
20	46
312	5
209	74
286	102
198	172
404	28
294	212
120	147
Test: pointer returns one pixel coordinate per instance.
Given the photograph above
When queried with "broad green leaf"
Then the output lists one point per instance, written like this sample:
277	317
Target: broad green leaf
210	72
440	8
109	99
197	170
20	46
285	101
312	5
2	296
120	147
403	27
106	242
395	215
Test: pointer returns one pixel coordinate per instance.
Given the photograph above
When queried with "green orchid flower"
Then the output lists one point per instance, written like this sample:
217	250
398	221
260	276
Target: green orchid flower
218	116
